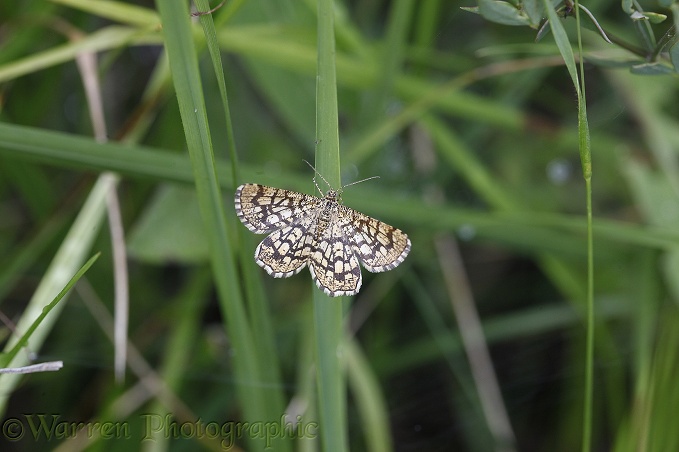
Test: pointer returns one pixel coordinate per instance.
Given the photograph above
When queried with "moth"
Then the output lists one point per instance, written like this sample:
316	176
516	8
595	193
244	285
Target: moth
321	233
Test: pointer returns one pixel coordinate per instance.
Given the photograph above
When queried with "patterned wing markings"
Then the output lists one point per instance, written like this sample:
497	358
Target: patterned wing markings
319	232
333	265
286	251
264	209
379	246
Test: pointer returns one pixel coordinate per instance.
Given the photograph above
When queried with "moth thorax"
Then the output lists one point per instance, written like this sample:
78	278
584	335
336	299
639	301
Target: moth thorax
331	195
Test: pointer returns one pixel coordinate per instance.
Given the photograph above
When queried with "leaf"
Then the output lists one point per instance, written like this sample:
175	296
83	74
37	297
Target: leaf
564	45
502	13
653	194
627	6
542	32
657	202
651	69
674	56
535	11
612	63
170	229
654	18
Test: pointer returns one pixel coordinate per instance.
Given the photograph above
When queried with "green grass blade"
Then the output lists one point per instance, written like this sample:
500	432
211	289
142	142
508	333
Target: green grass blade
181	346
66	262
184	67
462	158
327	311
400	17
70	151
586	160
215	56
23	340
263	341
115	11
29	251
562	42
107	38
369	398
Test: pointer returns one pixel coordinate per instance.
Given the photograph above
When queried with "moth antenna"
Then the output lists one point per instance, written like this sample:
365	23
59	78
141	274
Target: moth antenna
362	180
330	186
317	187
326	182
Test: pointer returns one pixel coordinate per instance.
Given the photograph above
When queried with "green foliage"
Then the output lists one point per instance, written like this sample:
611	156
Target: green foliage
474	130
654	55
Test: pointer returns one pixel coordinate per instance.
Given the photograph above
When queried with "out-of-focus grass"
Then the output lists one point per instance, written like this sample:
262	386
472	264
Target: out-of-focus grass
422	89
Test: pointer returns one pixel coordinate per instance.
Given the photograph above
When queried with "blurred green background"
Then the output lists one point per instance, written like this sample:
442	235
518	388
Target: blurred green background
475	343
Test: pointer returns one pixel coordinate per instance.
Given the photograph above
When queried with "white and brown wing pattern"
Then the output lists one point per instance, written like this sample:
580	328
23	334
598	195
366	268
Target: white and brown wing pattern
289	216
264	209
321	233
379	246
332	263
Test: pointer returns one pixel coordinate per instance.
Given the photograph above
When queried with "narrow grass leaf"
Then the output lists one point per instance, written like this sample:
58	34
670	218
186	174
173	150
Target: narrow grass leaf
116	11
23	340
372	406
66	262
184	67
107	38
328	312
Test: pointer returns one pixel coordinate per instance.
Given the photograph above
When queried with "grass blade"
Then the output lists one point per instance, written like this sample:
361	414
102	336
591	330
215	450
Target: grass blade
327	311
184	67
586	160
66	262
23	341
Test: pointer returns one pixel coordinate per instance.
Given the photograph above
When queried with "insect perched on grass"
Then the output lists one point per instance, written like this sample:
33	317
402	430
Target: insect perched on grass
319	232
